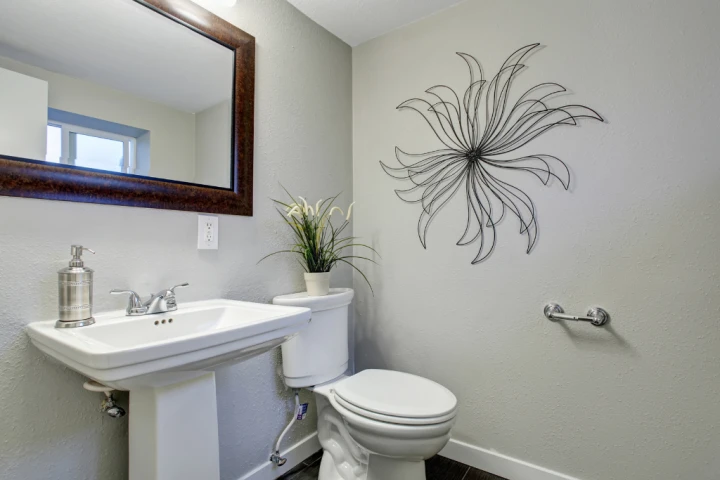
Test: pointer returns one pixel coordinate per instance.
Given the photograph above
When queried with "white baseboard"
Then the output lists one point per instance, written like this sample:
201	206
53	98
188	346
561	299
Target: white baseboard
486	460
497	463
295	454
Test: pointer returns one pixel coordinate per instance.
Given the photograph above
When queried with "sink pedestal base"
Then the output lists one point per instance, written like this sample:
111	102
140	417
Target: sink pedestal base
174	431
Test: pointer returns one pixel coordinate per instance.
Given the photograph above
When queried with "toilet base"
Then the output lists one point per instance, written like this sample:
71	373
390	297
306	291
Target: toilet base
378	468
386	468
343	458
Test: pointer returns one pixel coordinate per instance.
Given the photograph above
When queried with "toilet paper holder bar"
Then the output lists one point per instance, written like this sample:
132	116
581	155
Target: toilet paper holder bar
596	315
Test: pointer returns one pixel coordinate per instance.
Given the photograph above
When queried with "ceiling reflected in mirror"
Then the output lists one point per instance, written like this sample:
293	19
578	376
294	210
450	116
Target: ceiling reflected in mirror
114	86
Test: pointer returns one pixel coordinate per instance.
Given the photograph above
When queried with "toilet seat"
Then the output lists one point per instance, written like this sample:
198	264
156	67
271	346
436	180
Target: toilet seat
410	442
396	398
391	419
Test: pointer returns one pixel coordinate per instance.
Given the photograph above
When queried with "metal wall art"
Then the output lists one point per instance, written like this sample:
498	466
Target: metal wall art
479	133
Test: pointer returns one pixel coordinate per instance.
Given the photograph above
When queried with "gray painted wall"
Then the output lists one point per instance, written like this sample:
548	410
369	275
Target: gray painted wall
50	426
637	234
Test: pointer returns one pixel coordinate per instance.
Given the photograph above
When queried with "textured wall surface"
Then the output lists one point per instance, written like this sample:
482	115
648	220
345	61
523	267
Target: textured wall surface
637	234
50	428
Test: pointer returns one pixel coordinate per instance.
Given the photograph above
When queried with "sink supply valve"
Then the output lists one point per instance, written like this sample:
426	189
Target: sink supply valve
597	316
299	414
277	459
108	404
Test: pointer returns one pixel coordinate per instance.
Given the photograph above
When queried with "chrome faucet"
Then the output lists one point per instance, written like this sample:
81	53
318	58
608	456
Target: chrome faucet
160	302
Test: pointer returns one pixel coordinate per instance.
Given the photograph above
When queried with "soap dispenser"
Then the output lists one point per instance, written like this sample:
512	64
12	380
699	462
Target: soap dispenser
75	292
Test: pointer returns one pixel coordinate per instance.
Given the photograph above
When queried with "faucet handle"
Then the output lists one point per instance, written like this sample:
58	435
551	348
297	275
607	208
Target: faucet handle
134	303
182	285
169	296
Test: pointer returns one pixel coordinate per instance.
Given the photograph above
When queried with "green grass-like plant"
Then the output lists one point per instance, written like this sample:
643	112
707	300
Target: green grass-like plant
320	244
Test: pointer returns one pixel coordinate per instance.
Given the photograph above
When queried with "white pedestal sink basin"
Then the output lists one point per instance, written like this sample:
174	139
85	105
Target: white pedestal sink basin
167	363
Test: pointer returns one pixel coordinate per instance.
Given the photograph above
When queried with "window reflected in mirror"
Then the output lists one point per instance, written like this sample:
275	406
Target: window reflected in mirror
78	88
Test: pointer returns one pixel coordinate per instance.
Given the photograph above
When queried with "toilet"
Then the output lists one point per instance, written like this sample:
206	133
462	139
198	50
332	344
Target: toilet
376	424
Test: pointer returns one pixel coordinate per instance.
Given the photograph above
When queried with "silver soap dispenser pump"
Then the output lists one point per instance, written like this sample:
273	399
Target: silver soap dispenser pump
75	292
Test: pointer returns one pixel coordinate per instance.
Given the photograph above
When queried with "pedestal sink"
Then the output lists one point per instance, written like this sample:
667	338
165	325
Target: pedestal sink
167	363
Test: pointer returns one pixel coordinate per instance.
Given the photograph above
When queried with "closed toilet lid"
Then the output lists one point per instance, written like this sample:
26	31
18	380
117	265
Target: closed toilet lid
396	394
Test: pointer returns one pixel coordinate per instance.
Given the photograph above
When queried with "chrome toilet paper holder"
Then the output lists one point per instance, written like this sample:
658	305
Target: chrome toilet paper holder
596	315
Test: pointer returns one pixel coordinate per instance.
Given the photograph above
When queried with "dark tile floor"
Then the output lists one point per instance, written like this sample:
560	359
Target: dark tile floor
437	468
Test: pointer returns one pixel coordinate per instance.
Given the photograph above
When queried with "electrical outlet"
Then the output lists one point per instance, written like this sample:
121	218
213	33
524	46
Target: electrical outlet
208	232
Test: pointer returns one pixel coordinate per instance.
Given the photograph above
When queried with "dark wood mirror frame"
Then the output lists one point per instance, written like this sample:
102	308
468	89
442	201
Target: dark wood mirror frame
37	179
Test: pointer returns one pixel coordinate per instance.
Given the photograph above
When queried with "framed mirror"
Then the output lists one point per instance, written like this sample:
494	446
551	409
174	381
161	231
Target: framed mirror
144	103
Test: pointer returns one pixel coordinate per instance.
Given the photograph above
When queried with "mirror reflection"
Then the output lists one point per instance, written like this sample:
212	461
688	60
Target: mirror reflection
117	87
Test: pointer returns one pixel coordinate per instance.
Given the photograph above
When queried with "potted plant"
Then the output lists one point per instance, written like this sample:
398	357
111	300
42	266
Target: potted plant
318	242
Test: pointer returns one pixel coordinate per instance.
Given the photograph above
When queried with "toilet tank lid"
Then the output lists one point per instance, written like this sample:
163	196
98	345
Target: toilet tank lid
338	297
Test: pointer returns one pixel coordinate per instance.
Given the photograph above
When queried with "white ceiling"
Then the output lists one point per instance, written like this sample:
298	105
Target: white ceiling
357	21
120	44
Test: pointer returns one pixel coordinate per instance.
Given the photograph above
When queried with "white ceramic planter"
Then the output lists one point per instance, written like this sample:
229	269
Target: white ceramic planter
318	284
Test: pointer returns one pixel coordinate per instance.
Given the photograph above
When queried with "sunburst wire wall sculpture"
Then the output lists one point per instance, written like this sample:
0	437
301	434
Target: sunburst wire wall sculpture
480	134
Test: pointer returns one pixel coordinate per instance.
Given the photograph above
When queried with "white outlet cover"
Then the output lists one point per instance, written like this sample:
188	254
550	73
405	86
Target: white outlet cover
208	232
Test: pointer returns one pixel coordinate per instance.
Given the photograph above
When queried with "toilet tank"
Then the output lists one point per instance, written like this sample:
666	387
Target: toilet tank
319	352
